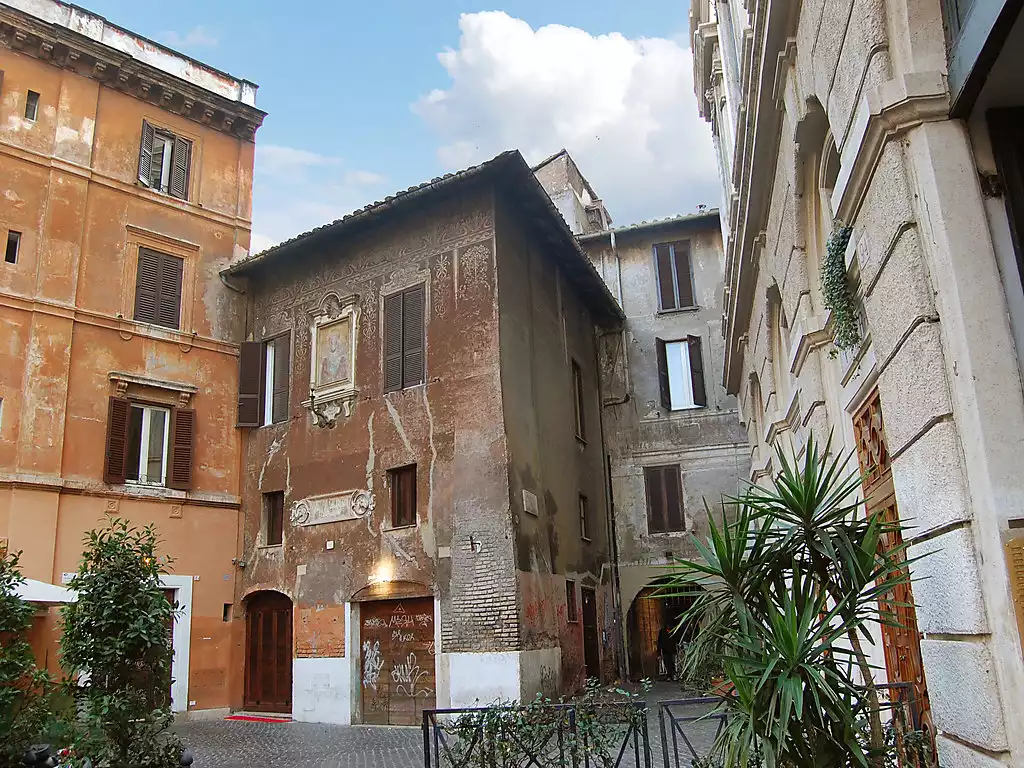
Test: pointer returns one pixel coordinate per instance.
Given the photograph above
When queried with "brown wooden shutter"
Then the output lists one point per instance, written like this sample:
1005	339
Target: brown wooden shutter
673	499
181	158
282	368
183	428
684	276
413	307
663	267
146	153
249	365
393	343
116	454
654	485
169	298
700	395
663	381
147	286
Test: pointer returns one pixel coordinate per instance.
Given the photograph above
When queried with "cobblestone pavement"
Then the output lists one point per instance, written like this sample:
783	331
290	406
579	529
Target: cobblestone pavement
241	744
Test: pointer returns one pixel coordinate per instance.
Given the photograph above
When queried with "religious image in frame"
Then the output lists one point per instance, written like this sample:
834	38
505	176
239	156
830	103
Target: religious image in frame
334	346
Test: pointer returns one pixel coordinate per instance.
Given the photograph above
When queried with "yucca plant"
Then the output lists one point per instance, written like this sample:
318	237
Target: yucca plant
786	592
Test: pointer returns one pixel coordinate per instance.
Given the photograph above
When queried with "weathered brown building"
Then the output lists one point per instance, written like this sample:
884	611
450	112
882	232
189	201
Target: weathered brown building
426	500
125	187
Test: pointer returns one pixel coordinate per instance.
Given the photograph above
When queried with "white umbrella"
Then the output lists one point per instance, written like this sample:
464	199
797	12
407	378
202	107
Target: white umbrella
32	591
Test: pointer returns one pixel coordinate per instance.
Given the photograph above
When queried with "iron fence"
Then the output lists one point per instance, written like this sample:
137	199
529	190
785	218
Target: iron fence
688	728
613	735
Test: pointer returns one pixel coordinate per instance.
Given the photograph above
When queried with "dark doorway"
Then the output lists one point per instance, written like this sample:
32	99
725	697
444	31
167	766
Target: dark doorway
591	645
647	615
268	652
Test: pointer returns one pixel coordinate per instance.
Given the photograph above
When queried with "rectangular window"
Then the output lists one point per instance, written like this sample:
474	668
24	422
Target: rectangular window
584	518
273	518
404	347
571	611
675	278
148	435
577	402
681	373
13	245
275	379
31	106
664	499
165	161
403	496
158	288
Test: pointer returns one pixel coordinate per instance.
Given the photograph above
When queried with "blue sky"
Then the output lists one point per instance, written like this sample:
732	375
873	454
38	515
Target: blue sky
363	100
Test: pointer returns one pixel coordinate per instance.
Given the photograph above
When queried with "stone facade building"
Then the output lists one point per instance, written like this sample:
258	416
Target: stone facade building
126	187
903	121
425	511
673	437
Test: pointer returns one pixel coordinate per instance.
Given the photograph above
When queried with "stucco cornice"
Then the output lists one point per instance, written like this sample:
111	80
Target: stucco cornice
67	49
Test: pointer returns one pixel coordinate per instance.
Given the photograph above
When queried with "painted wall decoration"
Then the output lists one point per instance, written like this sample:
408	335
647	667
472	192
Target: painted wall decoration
334	344
332	507
320	631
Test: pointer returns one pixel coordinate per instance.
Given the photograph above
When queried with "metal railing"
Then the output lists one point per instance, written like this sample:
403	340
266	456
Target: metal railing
677	744
610	735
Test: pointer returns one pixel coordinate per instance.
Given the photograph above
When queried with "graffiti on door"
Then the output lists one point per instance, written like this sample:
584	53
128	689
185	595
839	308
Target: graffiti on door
372	663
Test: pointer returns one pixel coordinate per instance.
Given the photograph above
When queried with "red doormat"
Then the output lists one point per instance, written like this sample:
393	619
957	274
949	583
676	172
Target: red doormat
258	719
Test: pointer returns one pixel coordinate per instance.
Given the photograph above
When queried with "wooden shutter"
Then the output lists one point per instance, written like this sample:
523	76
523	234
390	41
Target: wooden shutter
393	343
282	369
169	296
663	381
146	153
684	277
673	498
183	428
700	395
653	483
663	267
116	454
413	306
577	394
181	158
249	365
147	286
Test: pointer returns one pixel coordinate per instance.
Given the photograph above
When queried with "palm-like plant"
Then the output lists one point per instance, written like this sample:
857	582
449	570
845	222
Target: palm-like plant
786	592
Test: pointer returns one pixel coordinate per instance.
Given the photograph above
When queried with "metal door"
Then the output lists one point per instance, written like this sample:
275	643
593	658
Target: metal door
397	649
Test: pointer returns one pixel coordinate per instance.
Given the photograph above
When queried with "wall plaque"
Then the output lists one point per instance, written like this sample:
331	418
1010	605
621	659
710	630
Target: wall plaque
332	507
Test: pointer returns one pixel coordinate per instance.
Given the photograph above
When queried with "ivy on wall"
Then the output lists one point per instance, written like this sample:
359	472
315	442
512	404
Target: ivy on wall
836	292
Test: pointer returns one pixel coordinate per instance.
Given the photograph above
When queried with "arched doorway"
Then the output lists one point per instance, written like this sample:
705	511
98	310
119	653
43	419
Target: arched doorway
268	652
647	615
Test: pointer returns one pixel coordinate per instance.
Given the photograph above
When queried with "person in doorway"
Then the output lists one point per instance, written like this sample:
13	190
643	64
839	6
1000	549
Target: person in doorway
667	649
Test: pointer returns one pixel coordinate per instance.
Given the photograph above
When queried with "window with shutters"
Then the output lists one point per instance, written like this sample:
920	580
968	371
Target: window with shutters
404	343
584	518
402	483
158	282
578	402
675	277
31	106
273	519
13	246
275	380
681	373
165	161
149	444
664	499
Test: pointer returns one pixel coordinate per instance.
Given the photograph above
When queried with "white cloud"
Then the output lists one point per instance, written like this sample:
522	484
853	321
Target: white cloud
624	109
197	37
295	190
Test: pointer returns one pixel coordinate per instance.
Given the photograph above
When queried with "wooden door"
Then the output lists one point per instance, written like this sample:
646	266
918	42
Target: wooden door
901	638
397	651
591	644
268	662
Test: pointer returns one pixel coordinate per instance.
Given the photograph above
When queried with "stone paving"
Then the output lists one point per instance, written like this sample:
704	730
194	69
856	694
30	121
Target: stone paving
241	744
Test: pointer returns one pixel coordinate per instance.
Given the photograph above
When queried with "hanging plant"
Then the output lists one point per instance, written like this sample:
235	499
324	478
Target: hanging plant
836	291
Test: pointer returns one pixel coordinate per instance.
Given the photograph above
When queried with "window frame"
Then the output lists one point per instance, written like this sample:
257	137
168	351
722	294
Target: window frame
158	301
13	236
687	375
584	510
395	476
674	277
271	350
572	606
144	432
267	528
579	403
675	470
32	105
179	160
405	348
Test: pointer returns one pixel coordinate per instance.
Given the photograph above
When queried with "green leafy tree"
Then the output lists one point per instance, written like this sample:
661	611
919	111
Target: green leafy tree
786	594
23	687
116	649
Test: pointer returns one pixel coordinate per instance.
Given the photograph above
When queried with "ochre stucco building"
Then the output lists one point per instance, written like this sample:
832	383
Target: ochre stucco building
125	187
